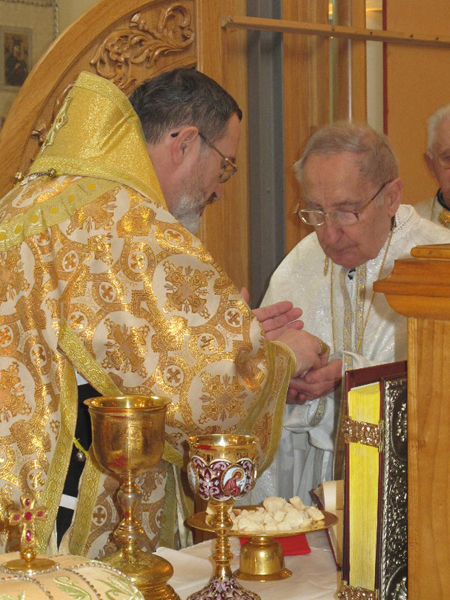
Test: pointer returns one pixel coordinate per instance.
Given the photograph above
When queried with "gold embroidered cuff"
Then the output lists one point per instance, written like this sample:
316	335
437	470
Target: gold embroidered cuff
290	351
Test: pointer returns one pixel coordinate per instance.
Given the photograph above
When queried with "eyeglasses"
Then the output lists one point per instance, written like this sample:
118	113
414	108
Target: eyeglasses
341	217
443	159
229	167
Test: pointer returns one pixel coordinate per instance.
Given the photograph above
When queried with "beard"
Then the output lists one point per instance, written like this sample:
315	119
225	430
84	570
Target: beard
191	202
189	209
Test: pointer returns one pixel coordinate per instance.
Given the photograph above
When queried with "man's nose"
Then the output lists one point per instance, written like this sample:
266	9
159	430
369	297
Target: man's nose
331	230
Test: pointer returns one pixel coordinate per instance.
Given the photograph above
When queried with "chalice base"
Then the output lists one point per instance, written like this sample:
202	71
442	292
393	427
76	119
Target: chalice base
223	588
148	572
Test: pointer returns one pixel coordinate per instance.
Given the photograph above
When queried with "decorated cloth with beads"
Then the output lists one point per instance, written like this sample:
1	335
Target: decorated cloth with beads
72	577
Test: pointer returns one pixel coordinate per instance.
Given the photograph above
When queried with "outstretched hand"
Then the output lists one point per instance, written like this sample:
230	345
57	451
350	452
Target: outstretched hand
276	318
315	383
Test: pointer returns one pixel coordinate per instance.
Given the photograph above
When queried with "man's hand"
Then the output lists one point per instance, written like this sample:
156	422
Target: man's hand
315	383
310	352
276	318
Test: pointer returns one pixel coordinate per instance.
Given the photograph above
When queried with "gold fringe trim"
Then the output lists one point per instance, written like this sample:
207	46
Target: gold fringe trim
273	351
87	499
84	362
60	207
54	483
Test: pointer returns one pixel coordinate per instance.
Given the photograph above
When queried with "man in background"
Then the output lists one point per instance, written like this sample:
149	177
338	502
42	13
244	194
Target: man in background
437	159
104	284
352	198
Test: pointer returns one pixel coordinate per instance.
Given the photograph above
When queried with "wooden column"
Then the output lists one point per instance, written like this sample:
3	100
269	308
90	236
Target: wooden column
419	288
306	100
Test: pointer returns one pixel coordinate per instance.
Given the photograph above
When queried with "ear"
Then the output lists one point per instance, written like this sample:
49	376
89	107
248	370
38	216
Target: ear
430	164
394	196
183	145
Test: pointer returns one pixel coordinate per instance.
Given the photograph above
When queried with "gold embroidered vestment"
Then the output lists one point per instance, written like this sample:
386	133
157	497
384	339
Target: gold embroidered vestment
98	278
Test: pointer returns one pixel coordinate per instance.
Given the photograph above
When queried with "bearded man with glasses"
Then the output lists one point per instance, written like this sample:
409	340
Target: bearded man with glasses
351	197
106	286
437	159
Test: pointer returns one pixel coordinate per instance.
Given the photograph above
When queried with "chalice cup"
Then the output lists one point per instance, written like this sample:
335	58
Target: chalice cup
127	440
222	469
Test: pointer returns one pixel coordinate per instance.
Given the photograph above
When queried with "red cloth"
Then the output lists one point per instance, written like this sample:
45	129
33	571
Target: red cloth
294	544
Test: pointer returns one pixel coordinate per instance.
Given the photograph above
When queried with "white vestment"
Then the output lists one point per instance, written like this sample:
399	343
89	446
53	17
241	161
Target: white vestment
305	454
430	209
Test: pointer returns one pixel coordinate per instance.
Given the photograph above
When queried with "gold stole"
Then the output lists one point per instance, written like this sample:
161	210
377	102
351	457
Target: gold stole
350	318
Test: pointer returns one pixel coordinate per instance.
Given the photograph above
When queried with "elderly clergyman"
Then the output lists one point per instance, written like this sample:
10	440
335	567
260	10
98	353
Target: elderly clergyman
437	159
352	194
103	281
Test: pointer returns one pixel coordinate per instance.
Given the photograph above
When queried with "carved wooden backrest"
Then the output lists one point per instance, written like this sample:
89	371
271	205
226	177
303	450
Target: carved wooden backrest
128	42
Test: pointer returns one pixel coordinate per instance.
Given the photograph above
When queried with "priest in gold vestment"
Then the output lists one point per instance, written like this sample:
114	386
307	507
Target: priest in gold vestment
101	282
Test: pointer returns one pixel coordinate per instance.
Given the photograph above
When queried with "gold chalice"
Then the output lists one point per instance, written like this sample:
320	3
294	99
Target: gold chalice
221	470
128	439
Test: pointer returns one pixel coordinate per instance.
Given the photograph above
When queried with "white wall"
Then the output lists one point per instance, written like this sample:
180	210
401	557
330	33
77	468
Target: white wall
70	10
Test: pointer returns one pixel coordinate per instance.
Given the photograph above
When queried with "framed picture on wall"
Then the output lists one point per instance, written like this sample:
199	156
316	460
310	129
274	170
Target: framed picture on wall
27	28
16	46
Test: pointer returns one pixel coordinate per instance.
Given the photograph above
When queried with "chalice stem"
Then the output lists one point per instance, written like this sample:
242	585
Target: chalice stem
129	532
222	554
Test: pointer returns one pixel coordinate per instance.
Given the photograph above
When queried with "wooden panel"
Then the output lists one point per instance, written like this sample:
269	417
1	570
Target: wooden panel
222	56
428	459
306	100
417	84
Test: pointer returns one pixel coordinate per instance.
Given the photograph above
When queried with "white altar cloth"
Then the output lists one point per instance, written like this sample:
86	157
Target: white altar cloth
314	575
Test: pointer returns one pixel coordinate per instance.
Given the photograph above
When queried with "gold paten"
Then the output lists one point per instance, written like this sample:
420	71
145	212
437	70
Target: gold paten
368	434
128	439
262	557
348	592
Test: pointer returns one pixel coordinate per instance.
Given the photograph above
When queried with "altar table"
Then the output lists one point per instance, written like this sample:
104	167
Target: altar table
314	575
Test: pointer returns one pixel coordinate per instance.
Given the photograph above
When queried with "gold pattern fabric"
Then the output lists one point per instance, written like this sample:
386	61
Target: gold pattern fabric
97	277
444	218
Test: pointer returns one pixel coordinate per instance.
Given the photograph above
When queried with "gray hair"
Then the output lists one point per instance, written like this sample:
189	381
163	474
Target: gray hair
374	154
433	122
183	97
